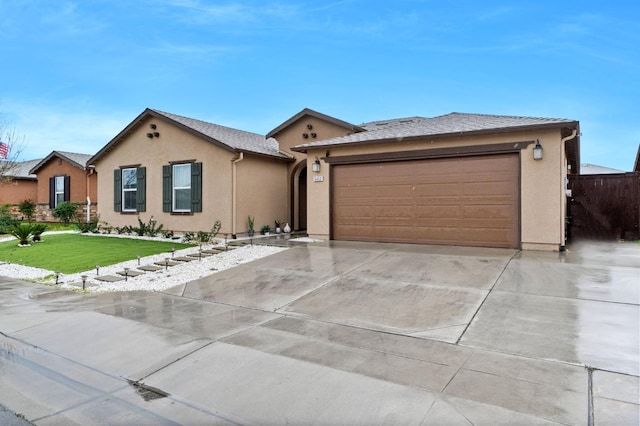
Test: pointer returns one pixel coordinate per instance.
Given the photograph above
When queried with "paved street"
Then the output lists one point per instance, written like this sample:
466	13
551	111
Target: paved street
341	333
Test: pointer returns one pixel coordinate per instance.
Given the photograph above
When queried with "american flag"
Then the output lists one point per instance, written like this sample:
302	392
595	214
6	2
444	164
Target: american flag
4	151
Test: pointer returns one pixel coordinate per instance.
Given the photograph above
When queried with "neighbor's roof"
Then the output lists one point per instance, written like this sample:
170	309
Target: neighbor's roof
636	166
316	114
592	169
444	125
226	137
21	170
76	159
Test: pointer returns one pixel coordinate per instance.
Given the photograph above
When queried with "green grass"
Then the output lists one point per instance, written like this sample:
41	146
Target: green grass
71	253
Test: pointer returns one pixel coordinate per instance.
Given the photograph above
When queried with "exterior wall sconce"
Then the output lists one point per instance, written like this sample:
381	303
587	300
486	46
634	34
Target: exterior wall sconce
316	165
537	151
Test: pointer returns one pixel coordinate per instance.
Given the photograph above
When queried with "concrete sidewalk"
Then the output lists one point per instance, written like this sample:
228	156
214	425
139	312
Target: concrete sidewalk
342	333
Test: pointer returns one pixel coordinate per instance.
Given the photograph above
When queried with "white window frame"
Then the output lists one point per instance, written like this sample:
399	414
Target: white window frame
125	190
174	188
59	190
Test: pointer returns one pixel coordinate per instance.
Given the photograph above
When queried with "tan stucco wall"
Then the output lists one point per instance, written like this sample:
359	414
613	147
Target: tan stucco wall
543	201
17	191
59	167
175	144
262	192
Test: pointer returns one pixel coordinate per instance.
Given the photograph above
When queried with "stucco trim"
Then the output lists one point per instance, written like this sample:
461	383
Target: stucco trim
462	151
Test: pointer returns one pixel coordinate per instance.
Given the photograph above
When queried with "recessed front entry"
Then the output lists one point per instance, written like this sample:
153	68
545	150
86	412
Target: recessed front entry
471	201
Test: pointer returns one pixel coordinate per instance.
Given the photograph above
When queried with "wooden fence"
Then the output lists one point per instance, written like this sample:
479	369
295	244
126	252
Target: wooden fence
604	207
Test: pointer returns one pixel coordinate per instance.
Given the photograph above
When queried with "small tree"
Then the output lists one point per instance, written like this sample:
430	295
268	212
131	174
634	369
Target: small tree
10	165
27	208
66	211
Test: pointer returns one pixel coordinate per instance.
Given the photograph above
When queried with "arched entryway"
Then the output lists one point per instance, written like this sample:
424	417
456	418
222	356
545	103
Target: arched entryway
299	197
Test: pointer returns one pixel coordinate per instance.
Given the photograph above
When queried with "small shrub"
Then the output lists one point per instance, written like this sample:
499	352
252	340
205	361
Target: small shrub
22	231
105	227
215	229
204	236
123	230
167	234
37	229
91	226
66	211
188	237
6	221
27	208
153	229
265	229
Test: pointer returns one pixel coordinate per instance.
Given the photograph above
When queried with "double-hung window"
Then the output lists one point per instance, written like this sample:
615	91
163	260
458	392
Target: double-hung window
181	187
59	188
129	190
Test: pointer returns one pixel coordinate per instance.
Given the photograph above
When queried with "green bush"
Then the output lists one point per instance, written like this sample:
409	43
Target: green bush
6	219
22	231
27	208
66	211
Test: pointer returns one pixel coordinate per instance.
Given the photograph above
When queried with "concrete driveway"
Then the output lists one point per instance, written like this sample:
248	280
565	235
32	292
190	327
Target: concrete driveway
343	333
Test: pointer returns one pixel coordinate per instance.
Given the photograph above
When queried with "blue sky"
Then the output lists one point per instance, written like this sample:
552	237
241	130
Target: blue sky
75	73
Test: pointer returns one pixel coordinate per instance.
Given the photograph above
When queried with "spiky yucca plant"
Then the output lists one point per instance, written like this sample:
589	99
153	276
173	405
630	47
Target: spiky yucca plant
22	231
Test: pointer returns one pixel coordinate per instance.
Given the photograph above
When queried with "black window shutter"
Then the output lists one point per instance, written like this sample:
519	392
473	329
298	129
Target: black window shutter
52	192
67	188
141	189
166	188
117	190
196	187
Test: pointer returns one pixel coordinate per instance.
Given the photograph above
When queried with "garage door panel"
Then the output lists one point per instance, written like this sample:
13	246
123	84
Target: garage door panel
463	201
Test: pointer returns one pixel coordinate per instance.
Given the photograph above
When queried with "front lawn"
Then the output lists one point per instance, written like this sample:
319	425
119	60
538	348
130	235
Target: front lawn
71	253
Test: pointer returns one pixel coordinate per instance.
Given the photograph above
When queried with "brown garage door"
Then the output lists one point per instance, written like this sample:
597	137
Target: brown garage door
472	201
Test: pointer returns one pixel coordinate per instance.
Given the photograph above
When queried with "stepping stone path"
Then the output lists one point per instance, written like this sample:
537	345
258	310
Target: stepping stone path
199	255
182	259
169	263
130	273
150	268
108	278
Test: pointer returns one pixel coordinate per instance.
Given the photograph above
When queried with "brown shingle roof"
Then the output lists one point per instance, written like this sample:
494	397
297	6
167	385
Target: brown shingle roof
226	137
238	140
444	125
78	160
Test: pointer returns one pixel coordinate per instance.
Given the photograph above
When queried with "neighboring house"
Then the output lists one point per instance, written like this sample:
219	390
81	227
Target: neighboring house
21	184
188	173
64	176
592	169
460	179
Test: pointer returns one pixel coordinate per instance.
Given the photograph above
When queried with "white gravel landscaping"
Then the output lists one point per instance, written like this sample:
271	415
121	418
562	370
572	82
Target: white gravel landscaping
149	281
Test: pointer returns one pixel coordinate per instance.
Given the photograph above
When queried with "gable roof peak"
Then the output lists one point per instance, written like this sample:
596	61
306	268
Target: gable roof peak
74	158
319	116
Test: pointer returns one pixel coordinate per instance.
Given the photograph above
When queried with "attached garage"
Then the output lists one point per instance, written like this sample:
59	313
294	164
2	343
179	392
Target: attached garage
455	179
471	201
